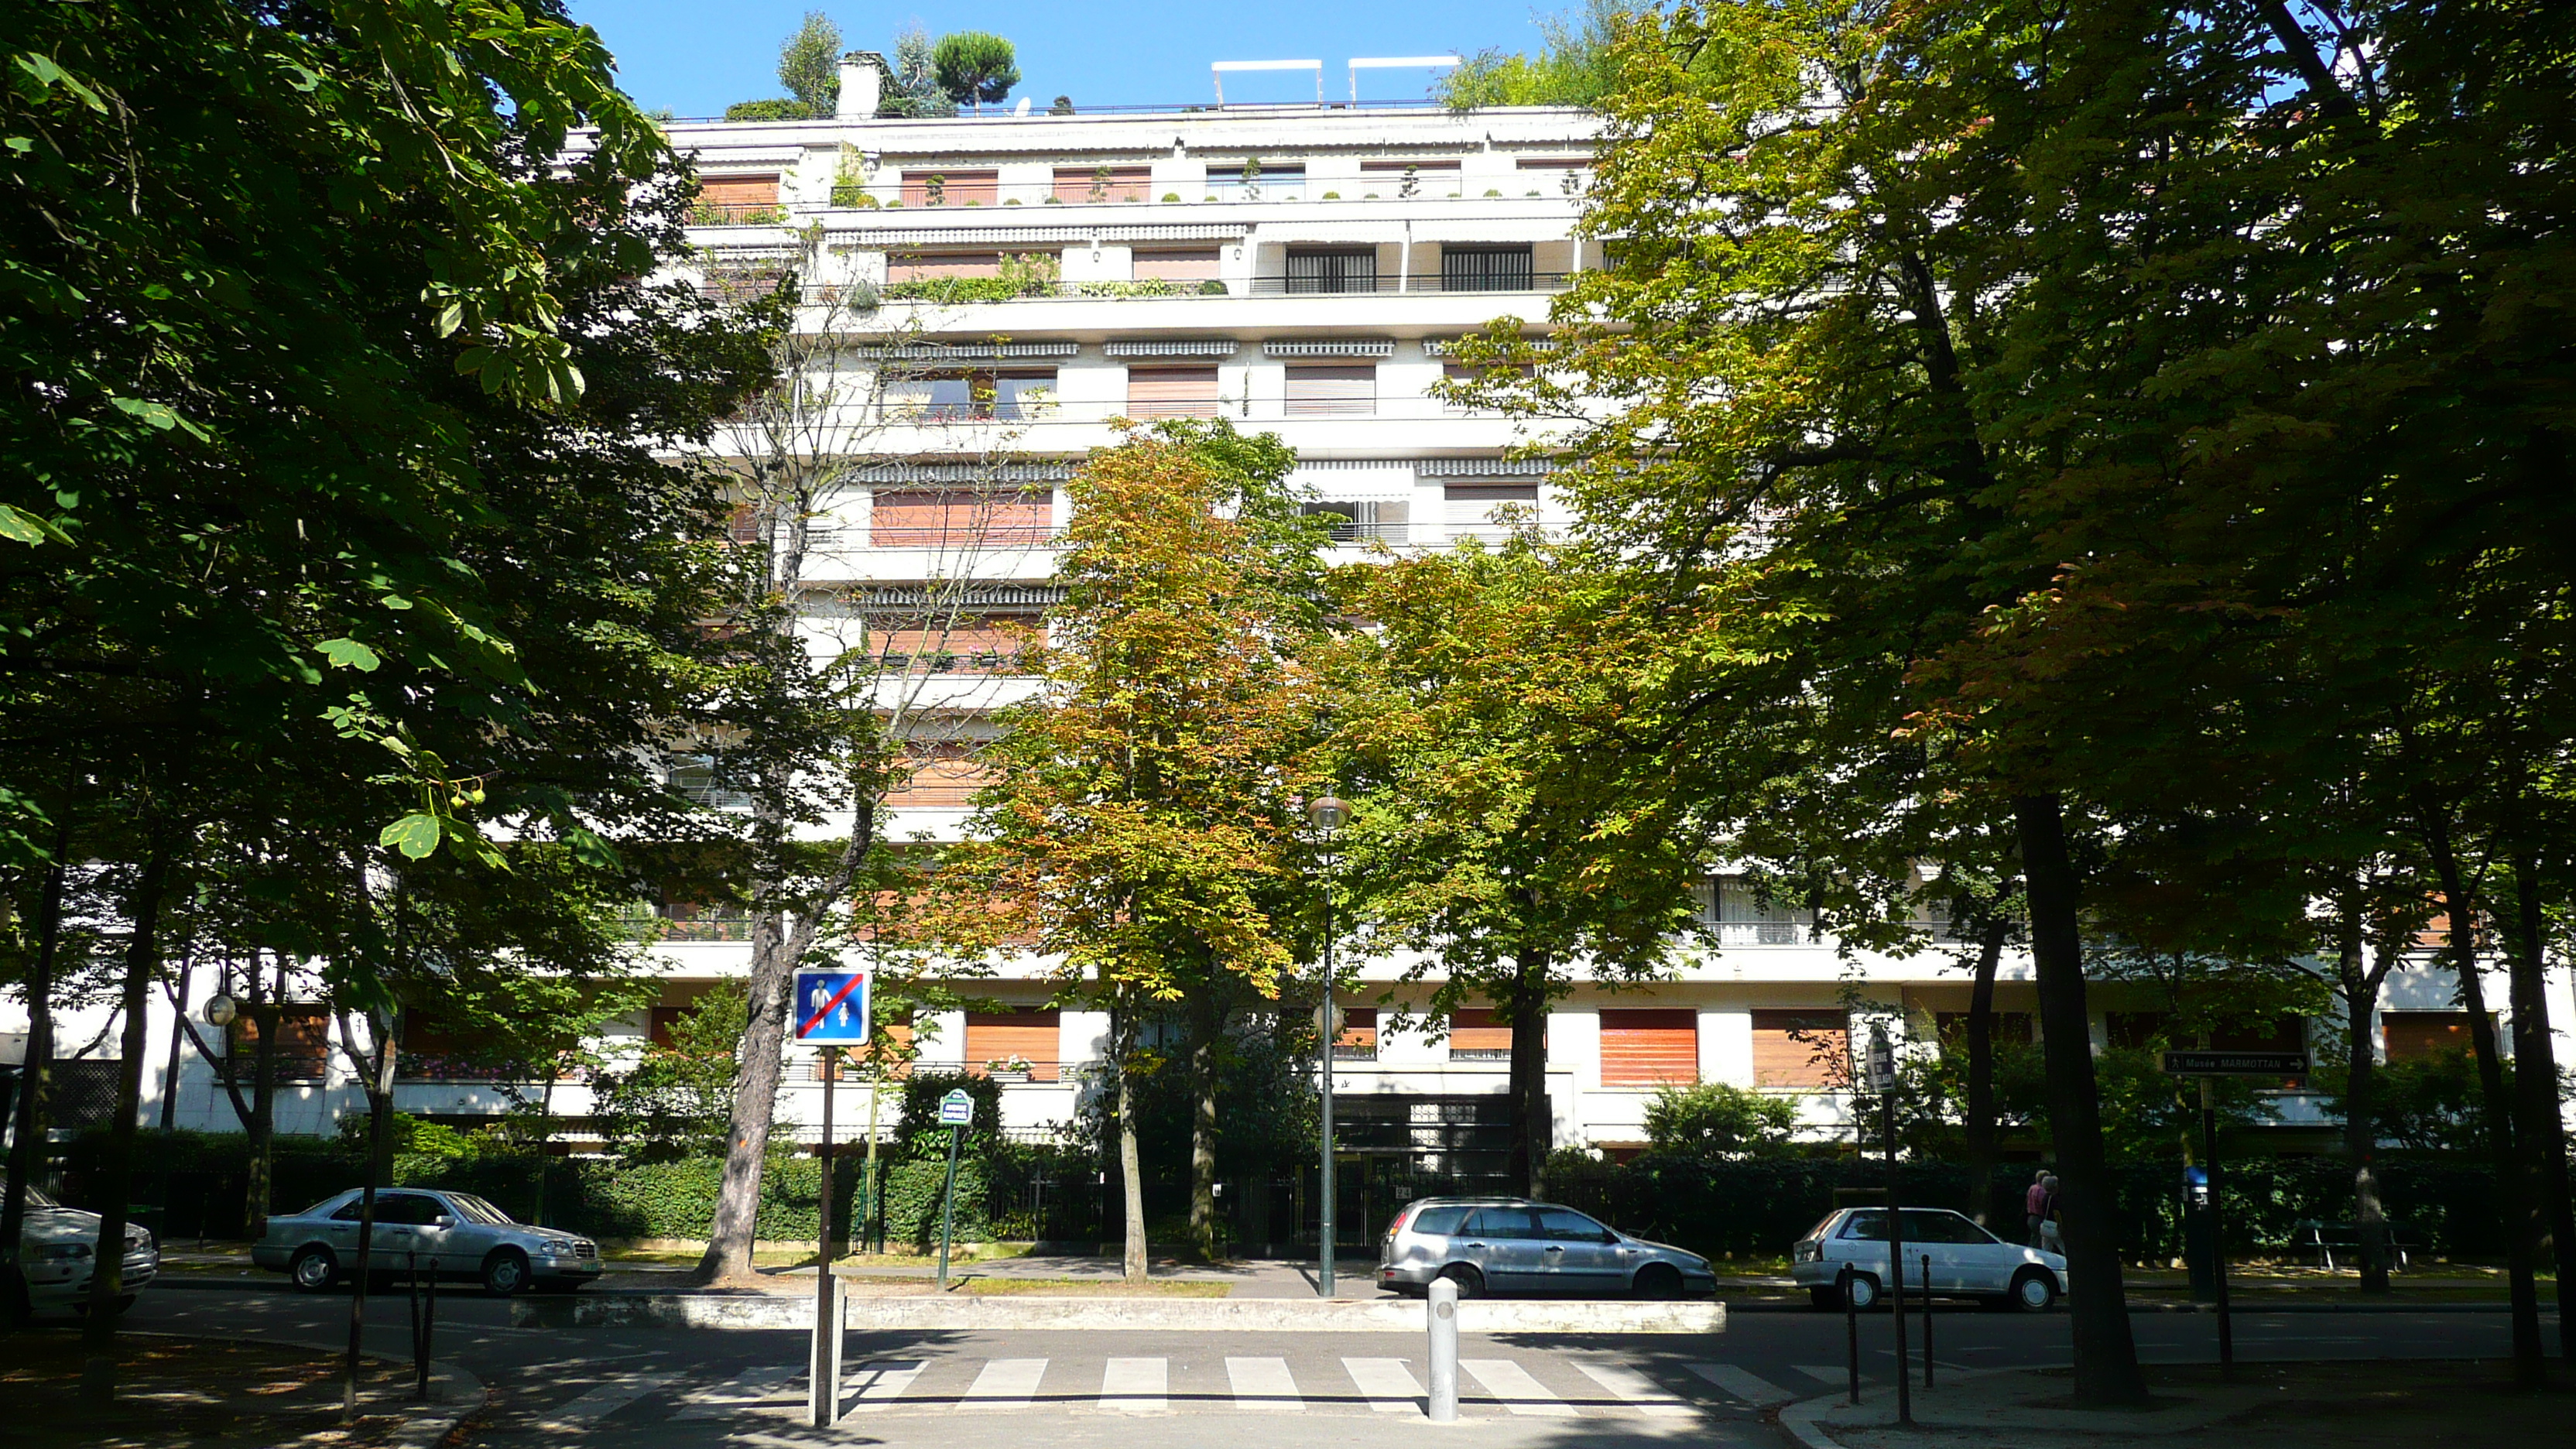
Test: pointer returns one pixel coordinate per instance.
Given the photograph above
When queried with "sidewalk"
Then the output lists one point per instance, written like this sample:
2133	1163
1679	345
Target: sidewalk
179	1392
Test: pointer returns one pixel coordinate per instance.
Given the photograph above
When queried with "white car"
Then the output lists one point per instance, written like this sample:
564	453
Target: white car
58	1248
450	1234
1966	1261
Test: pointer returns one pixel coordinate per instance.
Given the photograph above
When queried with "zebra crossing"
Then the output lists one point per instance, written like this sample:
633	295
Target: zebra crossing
1569	1386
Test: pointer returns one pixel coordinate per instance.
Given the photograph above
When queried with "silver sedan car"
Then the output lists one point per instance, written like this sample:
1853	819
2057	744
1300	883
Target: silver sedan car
454	1234
57	1249
1513	1245
1966	1261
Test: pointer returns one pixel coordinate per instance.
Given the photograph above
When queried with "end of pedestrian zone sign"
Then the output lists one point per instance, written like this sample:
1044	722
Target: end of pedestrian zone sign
831	1008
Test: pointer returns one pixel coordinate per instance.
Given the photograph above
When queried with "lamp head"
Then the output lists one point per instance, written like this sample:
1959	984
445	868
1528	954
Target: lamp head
1327	813
220	1010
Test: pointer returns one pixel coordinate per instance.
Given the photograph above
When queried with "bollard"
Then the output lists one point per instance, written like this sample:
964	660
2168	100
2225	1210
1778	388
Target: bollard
1851	1326
1442	1315
428	1328
419	1340
1927	1320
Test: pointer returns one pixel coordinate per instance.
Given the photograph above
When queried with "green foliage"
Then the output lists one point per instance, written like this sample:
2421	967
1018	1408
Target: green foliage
913	1202
809	64
917	1126
915	90
1575	67
1715	1119
781	108
975	67
1029	274
2428	1103
1152	287
675	1101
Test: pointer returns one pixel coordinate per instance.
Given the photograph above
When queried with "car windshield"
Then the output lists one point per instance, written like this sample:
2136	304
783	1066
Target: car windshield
1823	1223
37	1199
477	1209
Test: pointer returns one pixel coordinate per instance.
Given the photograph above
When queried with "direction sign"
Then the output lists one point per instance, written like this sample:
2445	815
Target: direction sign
832	1008
2236	1064
956	1109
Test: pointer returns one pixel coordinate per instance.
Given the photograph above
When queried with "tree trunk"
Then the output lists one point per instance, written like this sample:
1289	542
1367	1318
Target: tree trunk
1203	1051
1532	1131
1131	1175
262	1127
2360	1122
178	1034
2541	1132
1979	1128
2106	1355
2513	1188
25	1160
116	1183
755	1102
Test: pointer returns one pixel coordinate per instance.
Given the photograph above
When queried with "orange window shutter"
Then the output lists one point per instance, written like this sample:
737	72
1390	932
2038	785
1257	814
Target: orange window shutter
1171	392
1187	264
1800	1048
936	266
1478	1029
998	1036
1649	1048
739	190
1337	391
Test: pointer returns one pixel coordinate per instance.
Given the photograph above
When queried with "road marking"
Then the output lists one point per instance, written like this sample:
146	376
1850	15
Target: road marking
1136	1386
1752	1388
1648	1397
1387	1384
1264	1384
751	1386
601	1402
883	1383
1512	1384
1829	1373
1004	1381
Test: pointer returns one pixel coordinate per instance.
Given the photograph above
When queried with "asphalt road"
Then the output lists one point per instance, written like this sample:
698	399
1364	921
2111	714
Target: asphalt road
679	1389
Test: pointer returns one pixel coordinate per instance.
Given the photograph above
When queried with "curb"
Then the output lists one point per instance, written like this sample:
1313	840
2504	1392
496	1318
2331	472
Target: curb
1002	1313
2238	1309
455	1393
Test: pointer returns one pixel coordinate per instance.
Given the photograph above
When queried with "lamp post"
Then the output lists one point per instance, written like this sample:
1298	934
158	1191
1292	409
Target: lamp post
220	1011
1327	814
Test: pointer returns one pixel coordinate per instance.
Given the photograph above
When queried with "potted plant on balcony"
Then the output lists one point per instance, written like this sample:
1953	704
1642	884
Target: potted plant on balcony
1009	1069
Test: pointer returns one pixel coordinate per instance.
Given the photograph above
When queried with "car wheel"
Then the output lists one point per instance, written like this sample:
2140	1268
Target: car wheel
505	1272
1471	1284
1824	1300
2034	1290
1864	1291
314	1270
1659	1280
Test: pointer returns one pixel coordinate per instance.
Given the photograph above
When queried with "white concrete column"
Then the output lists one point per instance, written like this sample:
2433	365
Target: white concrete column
1574	1045
1726	1046
944	1046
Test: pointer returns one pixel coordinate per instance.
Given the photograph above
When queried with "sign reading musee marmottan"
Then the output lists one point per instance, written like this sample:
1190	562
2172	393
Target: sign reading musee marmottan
2236	1064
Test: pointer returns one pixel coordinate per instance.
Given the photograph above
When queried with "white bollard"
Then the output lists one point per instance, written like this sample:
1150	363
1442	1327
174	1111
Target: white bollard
1443	1318
823	1367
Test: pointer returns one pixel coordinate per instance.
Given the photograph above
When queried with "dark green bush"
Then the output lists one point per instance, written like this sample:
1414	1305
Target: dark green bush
778	109
913	1202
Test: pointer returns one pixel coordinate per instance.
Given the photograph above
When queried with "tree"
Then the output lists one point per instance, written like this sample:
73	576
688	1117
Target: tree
1573	68
809	64
1142	822
974	67
916	88
1492	731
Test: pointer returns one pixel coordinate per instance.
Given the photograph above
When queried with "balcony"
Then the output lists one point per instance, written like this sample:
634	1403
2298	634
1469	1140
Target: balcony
1423	285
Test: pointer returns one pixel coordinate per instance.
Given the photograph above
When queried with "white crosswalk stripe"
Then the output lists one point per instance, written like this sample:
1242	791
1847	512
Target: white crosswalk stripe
600	1402
1638	1391
1004	1382
1389	1387
1512	1384
879	1384
1828	1373
1136	1386
1265	1385
1752	1388
755	1385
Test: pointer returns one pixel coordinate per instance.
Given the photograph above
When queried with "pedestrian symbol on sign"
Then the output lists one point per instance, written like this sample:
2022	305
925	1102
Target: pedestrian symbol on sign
832	1008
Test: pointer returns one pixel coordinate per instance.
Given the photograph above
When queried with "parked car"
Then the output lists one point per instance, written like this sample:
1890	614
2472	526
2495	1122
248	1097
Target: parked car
1513	1245
1967	1261
460	1234
58	1247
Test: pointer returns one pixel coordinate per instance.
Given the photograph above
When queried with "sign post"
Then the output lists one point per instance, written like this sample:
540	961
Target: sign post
1882	1079
956	1113
2206	1065
831	1012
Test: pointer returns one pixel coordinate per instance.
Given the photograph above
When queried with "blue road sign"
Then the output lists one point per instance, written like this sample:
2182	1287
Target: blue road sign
832	1007
956	1109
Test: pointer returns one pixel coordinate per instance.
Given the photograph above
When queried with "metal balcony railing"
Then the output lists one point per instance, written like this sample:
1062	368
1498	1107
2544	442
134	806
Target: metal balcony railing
1433	283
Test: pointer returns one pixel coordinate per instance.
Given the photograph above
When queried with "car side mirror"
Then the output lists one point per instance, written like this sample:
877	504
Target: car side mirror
442	1221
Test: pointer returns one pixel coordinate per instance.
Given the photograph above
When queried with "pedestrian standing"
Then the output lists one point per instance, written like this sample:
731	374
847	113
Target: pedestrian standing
2034	1206
2052	1237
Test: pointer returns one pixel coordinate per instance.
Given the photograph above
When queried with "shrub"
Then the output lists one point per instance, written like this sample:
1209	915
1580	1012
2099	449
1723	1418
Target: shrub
1495	191
913	1202
1171	196
1331	196
917	1119
777	109
1054	201
1715	1119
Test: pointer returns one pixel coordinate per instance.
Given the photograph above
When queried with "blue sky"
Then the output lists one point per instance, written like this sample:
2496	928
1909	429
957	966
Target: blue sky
695	58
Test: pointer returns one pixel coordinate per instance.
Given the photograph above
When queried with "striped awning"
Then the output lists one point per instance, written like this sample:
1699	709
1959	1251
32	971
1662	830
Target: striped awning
1447	346
961	351
920	236
1484	467
1175	347
1332	347
980	473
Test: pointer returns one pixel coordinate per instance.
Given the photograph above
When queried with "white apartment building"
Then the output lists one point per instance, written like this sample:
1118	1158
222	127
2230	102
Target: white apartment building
1298	270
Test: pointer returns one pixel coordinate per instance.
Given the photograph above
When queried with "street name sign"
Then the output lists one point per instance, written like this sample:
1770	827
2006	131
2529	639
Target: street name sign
2236	1064
957	1109
831	1008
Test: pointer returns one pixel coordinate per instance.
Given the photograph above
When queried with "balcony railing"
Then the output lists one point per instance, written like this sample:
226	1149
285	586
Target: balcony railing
1420	283
964	291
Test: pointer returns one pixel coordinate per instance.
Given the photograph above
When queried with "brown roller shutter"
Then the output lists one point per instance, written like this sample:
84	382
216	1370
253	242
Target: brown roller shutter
1332	392
1185	264
996	1036
2410	1034
1477	1034
1116	183
1801	1048
1649	1048
935	266
1171	392
956	188
738	191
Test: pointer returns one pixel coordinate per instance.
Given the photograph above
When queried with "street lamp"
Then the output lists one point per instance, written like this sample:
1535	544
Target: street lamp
1327	813
220	1010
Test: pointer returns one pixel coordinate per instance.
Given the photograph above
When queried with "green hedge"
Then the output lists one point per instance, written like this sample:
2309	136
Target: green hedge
913	1202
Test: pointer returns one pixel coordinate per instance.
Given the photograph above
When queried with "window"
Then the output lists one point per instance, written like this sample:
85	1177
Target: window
1358	1039
1485	269
906	519
938	266
1741	916
1015	396
703	779
303	1044
989	645
1649	1048
2009	1026
409	1209
1410	178
1273	183
1469	508
1801	1048
1179	264
1364	519
1565	1225
1103	183
2411	1034
438	1049
941	776
952	188
1931	1225
1506	1224
1438	1221
1476	1034
1334	269
737	198
1171	392
997	1037
1339	390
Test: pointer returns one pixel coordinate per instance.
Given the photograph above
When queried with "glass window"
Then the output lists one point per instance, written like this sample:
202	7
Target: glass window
1317	270
475	1209
1502	1224
1565	1225
409	1209
1932	1225
1442	1221
1868	1224
1485	269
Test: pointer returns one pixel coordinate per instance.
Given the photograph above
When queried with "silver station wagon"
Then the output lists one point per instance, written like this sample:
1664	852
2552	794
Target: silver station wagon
1513	1245
1966	1260
466	1236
